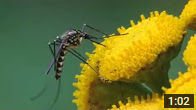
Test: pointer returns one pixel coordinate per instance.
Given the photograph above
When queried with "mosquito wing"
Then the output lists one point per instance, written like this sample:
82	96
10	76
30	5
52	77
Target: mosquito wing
53	60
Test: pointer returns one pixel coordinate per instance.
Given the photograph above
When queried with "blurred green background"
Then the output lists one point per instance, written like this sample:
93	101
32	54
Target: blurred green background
27	26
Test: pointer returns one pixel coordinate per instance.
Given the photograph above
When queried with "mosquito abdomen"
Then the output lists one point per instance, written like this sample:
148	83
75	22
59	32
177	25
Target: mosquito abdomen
60	63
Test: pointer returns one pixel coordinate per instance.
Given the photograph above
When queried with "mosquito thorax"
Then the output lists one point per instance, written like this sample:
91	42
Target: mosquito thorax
72	38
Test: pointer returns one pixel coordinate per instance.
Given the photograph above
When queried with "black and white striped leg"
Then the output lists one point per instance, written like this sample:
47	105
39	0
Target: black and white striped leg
78	54
57	95
83	60
58	39
54	46
96	42
53	51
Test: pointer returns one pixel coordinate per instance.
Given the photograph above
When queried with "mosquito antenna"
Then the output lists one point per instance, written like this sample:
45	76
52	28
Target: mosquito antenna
82	60
57	94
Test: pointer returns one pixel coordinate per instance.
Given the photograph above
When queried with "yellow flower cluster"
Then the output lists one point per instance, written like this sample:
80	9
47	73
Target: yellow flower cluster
190	53
127	54
150	103
188	15
84	85
184	84
122	57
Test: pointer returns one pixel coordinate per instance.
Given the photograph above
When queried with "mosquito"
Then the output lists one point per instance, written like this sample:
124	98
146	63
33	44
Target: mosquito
67	43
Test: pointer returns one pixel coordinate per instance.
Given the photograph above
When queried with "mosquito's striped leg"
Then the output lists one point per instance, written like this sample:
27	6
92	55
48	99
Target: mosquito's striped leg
58	39
96	42
118	34
53	51
52	62
39	94
57	95
85	25
49	44
92	37
77	56
54	46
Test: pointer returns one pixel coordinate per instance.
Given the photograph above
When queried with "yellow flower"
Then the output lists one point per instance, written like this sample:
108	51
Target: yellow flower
188	15
145	51
123	56
93	94
126	55
184	84
84	83
150	103
190	53
142	54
